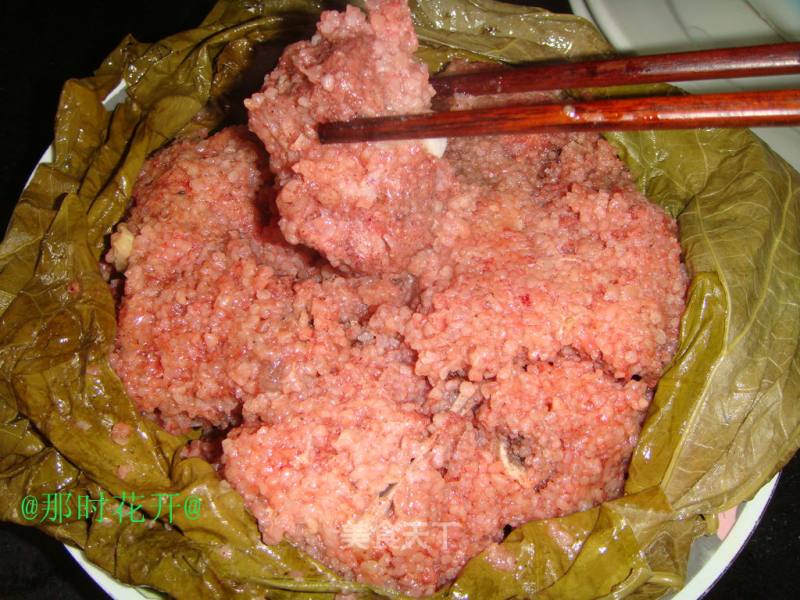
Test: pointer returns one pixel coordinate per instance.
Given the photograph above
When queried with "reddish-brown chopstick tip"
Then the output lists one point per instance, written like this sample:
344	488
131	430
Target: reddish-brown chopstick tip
745	109
749	61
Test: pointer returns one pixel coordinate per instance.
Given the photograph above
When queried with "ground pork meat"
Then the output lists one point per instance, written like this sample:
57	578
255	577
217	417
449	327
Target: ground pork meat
204	253
479	350
343	330
390	496
524	284
366	207
338	426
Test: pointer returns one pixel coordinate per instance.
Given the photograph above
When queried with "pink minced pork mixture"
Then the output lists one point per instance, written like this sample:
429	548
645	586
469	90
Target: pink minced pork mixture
407	353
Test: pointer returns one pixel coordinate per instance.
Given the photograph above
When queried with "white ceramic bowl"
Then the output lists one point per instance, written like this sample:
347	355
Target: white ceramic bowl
653	26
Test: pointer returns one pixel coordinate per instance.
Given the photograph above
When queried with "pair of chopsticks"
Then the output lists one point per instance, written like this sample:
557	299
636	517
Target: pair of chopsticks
738	109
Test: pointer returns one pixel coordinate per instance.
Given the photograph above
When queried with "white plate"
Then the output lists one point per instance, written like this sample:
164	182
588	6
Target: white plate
708	560
652	26
112	587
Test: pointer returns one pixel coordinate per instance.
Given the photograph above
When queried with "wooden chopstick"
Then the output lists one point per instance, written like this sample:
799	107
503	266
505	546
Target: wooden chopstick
743	109
748	61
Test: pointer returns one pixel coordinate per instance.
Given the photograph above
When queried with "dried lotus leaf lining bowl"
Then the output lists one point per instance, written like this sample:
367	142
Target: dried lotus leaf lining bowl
723	422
